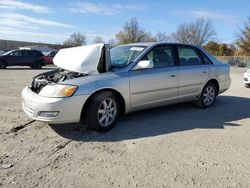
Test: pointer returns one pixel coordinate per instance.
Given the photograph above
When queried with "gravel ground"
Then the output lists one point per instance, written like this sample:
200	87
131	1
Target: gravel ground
174	146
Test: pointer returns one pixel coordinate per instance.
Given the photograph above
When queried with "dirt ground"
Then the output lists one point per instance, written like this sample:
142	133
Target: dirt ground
173	146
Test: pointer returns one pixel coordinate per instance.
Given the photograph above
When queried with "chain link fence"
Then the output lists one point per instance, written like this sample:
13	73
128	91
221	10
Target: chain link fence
235	61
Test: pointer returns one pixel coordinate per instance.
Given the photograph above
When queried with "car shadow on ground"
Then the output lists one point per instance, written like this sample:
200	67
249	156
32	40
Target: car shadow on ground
165	120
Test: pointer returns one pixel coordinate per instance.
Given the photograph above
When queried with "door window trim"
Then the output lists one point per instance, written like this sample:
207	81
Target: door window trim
173	50
197	51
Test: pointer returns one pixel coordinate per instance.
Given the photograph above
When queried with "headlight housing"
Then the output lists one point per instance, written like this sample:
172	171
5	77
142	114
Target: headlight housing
58	90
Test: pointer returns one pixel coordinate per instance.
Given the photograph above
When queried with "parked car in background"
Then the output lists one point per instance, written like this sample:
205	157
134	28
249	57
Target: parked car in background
49	58
247	78
99	85
236	63
33	58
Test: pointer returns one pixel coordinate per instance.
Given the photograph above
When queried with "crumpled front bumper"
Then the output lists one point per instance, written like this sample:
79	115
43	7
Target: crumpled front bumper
69	109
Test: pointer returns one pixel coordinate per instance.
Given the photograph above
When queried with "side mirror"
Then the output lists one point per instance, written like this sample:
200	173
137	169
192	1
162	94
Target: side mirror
144	64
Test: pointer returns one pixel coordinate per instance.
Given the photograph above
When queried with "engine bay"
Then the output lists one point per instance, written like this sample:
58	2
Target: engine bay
52	77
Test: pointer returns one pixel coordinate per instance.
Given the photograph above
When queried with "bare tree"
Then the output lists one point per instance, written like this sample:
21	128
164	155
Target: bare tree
98	39
182	33
76	39
198	32
162	37
243	38
112	43
132	33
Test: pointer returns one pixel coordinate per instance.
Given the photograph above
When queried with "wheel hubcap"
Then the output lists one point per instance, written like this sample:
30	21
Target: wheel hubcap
209	95
107	112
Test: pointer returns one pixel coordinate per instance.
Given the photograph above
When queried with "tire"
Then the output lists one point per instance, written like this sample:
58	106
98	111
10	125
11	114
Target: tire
3	65
37	65
102	112
247	85
208	96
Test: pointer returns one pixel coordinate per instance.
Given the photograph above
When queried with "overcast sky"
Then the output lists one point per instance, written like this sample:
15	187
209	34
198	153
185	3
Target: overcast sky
54	20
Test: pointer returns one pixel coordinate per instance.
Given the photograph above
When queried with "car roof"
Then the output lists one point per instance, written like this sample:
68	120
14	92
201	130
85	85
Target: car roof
148	44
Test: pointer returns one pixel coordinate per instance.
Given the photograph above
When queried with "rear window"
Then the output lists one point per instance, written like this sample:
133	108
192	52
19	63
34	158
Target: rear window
27	53
37	53
189	56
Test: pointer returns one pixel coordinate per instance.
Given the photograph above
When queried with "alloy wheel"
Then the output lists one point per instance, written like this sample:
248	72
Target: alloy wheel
106	113
208	95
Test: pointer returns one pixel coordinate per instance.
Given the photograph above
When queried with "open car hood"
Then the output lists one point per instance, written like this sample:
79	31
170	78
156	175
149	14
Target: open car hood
89	59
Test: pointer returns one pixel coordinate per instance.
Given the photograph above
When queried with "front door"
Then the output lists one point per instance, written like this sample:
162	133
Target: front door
155	86
14	58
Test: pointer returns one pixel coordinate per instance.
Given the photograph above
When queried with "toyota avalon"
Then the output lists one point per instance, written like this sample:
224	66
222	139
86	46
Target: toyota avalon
95	85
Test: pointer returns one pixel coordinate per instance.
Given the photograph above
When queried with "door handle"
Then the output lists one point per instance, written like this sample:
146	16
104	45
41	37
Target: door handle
205	72
172	75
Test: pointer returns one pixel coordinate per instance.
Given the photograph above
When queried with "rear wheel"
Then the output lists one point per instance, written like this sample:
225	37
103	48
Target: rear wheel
3	65
37	65
102	112
208	96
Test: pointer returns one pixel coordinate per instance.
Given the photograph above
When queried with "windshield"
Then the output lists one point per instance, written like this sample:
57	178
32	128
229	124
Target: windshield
6	53
121	56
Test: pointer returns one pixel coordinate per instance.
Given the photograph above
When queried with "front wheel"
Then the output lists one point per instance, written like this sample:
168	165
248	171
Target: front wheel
102	112
208	96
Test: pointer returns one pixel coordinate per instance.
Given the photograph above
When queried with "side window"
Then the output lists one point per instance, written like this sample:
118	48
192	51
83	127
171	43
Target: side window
27	54
161	56
15	53
188	56
206	60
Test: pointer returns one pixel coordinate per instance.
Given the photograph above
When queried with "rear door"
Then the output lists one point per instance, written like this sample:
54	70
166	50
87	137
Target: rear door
193	72
27	57
158	85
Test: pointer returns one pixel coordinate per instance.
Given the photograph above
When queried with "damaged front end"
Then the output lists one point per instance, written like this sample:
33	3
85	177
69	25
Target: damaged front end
53	77
73	63
47	97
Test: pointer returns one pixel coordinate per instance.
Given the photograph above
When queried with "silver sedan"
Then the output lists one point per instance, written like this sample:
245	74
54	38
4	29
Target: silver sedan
94	85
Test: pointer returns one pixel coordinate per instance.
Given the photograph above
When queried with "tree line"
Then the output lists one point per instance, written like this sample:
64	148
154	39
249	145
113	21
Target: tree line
200	32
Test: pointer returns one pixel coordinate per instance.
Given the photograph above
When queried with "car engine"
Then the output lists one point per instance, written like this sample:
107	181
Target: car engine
52	77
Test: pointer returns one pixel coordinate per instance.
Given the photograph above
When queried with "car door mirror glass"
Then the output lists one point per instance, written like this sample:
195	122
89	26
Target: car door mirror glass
144	64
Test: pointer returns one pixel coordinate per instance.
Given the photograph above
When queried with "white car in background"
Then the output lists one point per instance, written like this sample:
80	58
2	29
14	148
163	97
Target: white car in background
247	78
